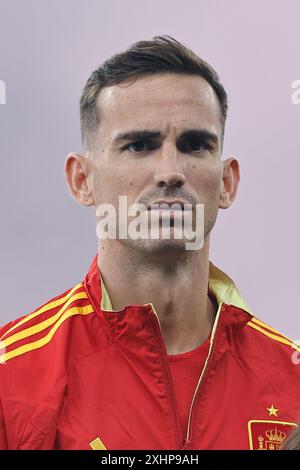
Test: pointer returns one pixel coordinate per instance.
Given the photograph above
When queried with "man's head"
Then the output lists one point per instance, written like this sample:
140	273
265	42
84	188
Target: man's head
162	55
152	121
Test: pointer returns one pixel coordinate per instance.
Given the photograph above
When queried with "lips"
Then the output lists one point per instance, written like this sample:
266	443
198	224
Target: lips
169	205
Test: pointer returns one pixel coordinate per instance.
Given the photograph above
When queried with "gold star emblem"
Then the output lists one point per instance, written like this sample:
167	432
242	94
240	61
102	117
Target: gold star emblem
272	411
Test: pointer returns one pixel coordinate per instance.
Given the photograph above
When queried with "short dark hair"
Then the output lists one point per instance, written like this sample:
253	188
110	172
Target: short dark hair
163	54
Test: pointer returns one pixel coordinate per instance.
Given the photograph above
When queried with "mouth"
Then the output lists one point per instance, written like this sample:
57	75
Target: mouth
169	211
175	205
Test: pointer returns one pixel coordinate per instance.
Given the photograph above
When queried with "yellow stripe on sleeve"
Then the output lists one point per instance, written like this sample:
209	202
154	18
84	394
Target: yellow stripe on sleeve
46	339
43	309
267	327
42	325
280	339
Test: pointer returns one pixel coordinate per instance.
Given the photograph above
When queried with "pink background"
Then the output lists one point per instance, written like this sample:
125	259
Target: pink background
47	51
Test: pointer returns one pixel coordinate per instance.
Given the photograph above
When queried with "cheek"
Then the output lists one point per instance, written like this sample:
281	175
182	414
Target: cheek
207	181
110	183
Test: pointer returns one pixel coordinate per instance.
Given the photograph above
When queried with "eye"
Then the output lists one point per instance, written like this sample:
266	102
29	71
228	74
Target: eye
136	147
195	145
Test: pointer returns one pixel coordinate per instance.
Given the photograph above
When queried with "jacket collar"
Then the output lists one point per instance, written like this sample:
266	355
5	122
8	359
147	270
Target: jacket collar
224	289
220	285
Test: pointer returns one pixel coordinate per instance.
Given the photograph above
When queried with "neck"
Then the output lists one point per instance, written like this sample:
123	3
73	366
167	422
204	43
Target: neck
177	287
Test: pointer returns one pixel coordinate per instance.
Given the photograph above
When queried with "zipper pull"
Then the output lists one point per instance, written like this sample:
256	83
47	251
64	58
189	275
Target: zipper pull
186	444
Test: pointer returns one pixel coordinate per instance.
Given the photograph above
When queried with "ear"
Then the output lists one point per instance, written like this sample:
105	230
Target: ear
230	182
77	175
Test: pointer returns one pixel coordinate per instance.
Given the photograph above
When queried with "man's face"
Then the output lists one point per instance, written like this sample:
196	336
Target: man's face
179	158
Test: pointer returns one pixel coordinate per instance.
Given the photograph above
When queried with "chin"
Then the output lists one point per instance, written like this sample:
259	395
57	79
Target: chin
159	247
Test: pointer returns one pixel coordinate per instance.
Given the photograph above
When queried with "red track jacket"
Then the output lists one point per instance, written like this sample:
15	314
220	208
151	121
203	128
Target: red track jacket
75	374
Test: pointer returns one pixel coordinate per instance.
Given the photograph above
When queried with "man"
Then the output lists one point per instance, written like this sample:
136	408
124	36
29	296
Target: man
155	349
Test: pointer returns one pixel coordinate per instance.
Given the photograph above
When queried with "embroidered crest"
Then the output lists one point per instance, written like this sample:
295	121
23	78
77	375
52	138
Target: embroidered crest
267	434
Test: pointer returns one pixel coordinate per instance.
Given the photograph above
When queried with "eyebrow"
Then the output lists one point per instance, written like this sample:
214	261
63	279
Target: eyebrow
145	134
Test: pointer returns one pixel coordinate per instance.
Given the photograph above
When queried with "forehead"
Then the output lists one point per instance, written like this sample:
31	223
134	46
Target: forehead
168	101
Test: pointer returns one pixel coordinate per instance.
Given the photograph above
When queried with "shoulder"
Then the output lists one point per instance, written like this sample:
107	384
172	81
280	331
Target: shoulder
264	340
39	329
269	335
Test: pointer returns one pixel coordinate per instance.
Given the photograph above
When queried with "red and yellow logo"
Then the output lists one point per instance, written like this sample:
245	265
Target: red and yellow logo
267	434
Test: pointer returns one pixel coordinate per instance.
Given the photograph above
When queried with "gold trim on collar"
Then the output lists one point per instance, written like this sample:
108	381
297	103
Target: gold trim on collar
224	289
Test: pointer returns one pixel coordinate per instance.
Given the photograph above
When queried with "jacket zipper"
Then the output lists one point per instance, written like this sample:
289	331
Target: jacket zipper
179	436
186	441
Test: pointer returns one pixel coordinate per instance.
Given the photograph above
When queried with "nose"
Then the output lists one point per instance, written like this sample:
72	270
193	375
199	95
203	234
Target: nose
168	172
